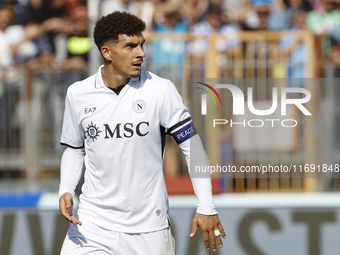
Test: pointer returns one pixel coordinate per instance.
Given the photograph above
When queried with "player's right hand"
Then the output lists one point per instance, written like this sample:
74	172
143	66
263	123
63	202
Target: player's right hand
66	208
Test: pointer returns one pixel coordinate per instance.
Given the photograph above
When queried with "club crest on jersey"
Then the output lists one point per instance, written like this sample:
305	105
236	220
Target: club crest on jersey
92	131
139	106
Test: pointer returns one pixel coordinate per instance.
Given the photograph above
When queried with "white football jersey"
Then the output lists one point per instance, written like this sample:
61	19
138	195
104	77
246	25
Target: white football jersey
123	135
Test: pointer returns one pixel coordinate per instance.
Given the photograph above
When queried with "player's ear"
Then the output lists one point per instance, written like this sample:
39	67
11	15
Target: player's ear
105	50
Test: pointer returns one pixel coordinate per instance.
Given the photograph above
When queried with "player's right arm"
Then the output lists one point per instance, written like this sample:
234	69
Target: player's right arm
72	158
70	172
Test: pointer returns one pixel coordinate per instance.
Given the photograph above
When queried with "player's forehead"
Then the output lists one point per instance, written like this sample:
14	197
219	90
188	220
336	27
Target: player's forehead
137	39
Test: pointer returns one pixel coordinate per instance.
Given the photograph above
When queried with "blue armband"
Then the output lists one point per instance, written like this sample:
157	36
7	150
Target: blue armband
183	131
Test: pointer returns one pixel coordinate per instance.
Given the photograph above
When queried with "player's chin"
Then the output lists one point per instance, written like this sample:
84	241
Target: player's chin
135	74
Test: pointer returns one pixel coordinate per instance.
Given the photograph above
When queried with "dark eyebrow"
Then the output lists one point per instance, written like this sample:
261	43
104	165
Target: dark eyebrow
131	44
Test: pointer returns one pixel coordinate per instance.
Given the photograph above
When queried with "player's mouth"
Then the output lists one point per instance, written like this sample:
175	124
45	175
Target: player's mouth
137	65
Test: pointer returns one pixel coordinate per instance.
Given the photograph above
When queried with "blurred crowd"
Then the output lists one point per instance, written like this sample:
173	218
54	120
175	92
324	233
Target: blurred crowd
55	32
44	33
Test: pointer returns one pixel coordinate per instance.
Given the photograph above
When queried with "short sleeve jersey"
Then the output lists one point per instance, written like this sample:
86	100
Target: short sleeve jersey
123	135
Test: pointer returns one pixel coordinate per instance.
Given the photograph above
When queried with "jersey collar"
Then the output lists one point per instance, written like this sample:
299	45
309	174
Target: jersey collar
99	79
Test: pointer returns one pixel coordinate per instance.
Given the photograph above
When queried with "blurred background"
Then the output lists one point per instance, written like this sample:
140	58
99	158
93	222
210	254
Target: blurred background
46	45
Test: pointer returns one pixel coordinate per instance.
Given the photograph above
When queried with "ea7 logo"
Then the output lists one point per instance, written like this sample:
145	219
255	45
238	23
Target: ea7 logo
238	100
90	110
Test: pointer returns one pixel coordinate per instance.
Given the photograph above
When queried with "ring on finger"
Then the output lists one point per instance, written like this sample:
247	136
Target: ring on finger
217	232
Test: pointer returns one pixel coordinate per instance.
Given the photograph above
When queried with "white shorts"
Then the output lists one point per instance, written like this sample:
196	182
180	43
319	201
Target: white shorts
92	239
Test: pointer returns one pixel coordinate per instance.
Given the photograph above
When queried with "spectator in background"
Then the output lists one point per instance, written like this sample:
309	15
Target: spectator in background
165	6
22	10
142	9
6	18
71	47
283	12
231	8
256	19
71	43
169	53
262	12
292	52
327	23
194	11
191	11
213	23
78	42
70	5
109	6
19	44
254	16
45	11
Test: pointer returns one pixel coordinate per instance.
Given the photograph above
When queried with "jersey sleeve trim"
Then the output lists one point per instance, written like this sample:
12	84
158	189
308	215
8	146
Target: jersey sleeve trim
73	147
170	130
182	131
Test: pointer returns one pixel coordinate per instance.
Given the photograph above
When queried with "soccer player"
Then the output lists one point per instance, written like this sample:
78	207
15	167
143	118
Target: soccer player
116	121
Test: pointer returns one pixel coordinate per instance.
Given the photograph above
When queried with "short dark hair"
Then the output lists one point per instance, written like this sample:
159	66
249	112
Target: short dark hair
109	27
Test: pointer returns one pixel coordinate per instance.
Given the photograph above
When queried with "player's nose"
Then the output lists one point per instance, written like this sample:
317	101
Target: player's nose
141	52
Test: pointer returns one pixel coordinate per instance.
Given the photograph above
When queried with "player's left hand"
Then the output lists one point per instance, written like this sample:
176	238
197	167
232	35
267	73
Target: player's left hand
208	224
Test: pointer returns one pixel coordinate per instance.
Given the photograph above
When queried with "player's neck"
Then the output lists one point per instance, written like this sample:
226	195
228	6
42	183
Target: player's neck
113	79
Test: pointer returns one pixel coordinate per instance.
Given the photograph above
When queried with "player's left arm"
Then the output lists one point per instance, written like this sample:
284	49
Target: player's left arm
175	117
206	215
